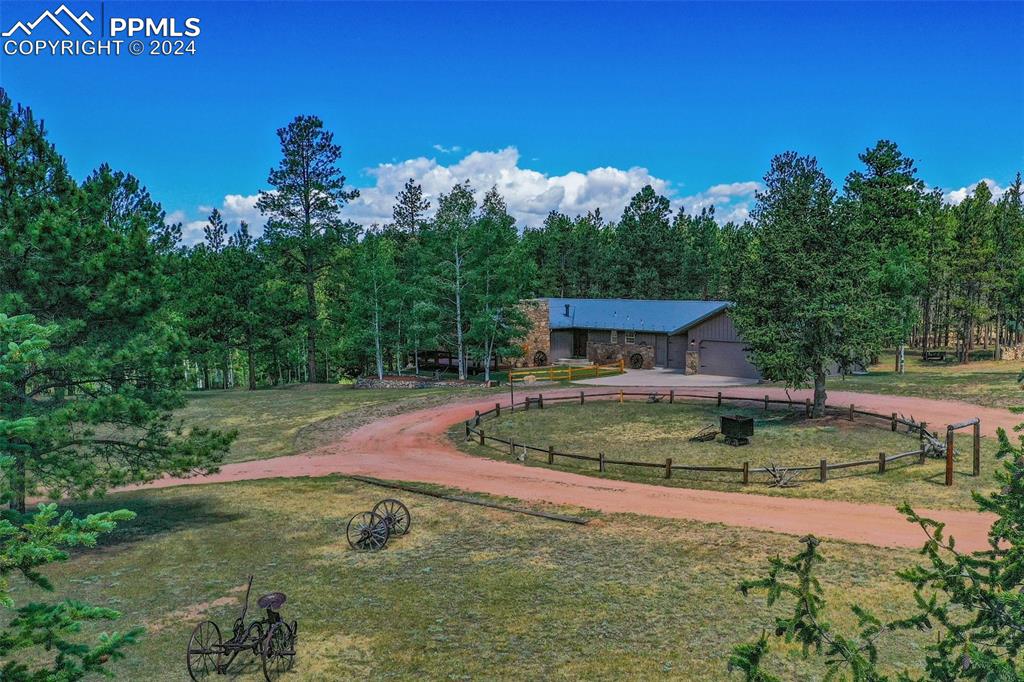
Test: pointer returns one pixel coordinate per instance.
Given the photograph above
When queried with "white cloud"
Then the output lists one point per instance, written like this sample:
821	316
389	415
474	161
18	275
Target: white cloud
530	194
234	208
454	149
955	196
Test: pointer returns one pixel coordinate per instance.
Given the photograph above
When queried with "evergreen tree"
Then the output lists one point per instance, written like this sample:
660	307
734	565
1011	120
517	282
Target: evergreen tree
643	239
973	274
497	275
410	209
804	306
91	266
303	213
885	202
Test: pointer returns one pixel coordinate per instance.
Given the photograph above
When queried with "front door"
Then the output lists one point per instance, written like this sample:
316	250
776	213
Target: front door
579	343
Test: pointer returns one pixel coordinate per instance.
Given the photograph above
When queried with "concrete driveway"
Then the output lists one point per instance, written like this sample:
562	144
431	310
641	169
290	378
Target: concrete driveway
667	378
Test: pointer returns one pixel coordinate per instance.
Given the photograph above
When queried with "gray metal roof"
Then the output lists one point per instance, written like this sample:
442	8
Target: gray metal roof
667	317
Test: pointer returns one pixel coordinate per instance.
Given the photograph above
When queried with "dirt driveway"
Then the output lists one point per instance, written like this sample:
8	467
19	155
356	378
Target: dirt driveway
413	447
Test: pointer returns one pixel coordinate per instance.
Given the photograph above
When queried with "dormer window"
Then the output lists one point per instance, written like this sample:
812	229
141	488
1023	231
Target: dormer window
630	337
613	336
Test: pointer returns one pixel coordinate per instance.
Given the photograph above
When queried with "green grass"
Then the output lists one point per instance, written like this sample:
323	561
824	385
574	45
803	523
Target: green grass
637	431
982	382
470	593
284	421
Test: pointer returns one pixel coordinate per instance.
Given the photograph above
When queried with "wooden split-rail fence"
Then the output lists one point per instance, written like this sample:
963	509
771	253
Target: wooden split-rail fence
926	439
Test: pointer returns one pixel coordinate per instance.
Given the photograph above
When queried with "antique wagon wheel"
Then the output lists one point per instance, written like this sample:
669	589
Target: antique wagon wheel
540	359
367	531
278	651
395	514
636	361
204	650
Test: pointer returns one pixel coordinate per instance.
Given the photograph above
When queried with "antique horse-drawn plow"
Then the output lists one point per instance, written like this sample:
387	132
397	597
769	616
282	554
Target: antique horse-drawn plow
371	530
270	638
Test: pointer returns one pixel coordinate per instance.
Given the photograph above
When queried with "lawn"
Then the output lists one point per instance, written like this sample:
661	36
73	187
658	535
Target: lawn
638	431
983	382
470	593
284	421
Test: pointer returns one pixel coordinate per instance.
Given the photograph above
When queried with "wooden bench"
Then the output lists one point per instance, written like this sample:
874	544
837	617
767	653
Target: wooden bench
933	355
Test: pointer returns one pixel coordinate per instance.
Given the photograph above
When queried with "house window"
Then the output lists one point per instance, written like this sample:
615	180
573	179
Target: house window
630	337
613	336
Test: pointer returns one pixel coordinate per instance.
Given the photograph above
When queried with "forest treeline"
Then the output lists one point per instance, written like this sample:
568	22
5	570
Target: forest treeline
318	296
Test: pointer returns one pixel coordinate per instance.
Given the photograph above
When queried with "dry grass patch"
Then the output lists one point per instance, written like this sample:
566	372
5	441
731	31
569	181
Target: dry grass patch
469	594
644	432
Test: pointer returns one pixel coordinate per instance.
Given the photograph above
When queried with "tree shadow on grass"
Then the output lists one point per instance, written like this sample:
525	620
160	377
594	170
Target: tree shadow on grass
156	517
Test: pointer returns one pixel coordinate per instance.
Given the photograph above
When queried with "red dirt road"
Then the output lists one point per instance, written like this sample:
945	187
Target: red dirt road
413	447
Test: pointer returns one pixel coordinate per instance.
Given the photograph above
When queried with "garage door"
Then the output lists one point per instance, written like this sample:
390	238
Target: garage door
726	358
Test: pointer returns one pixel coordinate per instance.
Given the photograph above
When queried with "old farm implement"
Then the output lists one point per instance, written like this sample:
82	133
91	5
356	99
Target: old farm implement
371	530
270	638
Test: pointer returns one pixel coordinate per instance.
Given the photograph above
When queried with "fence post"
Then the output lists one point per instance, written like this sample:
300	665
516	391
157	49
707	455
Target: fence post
668	467
719	399
570	372
497	409
949	456
807	408
894	422
526	403
881	462
581	397
766	403
922	430
540	400
481	436
823	471
551	454
477	418
467	429
600	461
620	396
977	448
851	411
746	473
671	396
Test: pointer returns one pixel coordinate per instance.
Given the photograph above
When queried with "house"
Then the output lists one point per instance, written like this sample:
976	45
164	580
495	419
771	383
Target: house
696	337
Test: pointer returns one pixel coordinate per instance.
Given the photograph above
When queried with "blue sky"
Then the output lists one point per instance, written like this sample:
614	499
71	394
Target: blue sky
565	105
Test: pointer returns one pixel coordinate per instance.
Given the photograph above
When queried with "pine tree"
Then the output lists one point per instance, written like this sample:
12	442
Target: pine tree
885	203
91	267
410	209
497	275
303	213
803	304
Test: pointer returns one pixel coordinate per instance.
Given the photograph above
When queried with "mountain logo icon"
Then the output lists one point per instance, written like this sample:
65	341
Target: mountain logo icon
78	20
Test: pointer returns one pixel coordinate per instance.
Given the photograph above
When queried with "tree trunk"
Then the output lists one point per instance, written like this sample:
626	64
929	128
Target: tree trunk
818	410
999	337
206	377
252	366
19	482
901	359
376	342
458	327
311	315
